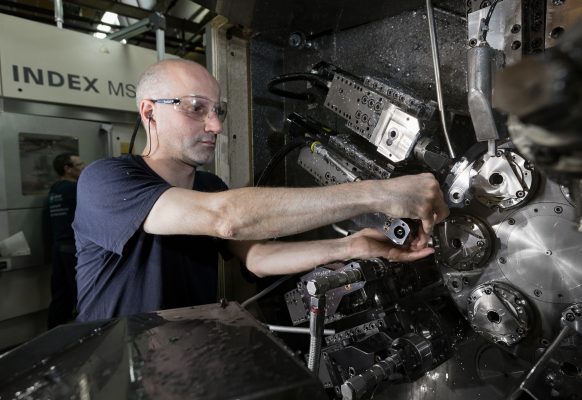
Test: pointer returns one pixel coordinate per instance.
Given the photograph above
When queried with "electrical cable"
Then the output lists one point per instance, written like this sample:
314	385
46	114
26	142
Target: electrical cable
484	28
314	79
135	129
280	155
265	291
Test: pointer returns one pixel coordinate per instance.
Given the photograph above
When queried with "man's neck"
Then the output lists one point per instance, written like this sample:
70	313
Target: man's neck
175	172
68	178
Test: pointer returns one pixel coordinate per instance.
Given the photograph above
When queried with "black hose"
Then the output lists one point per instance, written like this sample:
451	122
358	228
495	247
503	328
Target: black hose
314	79
280	155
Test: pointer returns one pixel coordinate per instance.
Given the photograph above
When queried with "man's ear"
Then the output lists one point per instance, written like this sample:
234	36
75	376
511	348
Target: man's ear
146	110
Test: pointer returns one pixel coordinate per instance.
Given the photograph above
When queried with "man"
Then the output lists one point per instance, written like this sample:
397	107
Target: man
62	199
147	241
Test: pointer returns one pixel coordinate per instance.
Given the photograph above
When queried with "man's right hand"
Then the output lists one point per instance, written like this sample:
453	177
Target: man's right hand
416	197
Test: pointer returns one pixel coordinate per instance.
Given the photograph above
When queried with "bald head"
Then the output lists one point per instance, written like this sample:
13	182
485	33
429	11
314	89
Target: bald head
164	78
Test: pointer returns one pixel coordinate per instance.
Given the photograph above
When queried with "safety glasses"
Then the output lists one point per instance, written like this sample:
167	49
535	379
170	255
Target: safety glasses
196	107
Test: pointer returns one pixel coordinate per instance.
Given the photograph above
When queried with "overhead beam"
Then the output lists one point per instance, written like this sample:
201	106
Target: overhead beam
135	12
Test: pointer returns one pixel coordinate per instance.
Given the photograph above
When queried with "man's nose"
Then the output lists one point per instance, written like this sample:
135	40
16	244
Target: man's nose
213	124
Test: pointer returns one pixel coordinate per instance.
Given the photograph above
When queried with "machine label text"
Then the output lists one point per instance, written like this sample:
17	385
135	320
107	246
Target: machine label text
40	77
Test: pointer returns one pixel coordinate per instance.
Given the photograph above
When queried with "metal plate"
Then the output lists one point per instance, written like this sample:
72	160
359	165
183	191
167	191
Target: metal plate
541	250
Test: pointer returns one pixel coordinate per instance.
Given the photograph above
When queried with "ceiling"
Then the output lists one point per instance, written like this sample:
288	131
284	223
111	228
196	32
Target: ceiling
185	20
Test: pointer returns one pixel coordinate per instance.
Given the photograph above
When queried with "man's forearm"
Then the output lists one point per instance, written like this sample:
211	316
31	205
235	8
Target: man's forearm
274	212
279	258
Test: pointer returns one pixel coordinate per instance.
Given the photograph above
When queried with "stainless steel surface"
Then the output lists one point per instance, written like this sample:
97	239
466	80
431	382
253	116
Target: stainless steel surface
572	317
480	82
437	75
502	181
320	149
295	329
360	106
323	170
458	183
499	313
505	29
396	134
371	114
463	242
540	252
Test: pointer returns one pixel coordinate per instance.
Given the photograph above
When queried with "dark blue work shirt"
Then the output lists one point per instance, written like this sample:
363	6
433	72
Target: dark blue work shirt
121	269
62	199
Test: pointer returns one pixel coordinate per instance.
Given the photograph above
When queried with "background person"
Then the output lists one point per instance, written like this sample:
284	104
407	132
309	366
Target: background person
62	199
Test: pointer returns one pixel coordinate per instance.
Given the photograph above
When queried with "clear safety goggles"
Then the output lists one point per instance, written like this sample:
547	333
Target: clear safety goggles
196	107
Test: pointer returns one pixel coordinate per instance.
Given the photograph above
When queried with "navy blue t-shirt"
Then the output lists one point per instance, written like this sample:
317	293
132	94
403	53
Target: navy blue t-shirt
62	199
121	269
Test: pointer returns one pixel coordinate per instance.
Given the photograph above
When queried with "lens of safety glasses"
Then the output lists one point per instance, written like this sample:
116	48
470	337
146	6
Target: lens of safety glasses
199	108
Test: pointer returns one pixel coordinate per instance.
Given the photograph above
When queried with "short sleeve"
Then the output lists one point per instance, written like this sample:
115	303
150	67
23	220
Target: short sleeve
114	196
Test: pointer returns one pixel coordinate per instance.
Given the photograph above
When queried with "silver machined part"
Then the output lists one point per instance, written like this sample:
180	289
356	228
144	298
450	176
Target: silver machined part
360	106
491	147
499	312
505	30
357	386
369	114
502	181
321	284
479	92
396	134
462	242
320	149
407	103
325	171
458	183
572	317
296	329
395	229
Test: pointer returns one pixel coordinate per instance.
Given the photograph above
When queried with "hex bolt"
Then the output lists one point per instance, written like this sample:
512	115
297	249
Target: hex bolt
537	292
570	317
550	378
473	42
